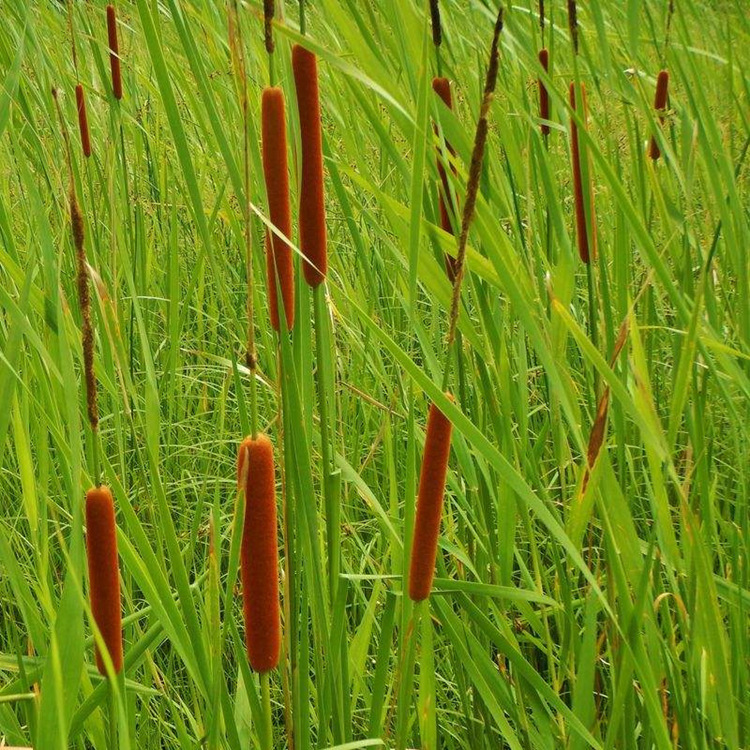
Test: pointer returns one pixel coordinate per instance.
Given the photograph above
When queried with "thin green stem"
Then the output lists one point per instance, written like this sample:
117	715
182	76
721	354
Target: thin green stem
112	716
302	17
267	734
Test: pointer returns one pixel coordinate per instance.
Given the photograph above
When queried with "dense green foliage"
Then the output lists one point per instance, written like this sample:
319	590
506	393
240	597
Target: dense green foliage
607	608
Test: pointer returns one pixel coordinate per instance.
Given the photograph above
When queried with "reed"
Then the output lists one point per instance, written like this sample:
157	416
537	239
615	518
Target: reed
543	93
312	215
660	105
434	470
104	577
259	562
83	121
276	173
586	239
114	52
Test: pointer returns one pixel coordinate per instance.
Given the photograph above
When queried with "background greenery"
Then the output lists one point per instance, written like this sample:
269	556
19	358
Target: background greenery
607	614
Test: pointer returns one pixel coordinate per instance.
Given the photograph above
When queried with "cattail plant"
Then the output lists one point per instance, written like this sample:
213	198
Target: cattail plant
312	217
660	105
543	93
83	121
586	240
259	553
437	449
442	87
104	578
275	170
114	52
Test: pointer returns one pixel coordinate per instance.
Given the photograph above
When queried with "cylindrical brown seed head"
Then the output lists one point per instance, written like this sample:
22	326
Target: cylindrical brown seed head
437	30
276	172
586	241
573	24
660	105
114	52
104	577
268	13
83	121
259	554
442	87
312	214
543	93
437	448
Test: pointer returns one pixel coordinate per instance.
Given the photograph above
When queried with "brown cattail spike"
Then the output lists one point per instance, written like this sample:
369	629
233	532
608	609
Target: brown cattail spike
437	448
586	240
276	172
83	121
442	87
543	93
660	105
268	13
312	213
573	24
114	52
259	554
437	30
104	578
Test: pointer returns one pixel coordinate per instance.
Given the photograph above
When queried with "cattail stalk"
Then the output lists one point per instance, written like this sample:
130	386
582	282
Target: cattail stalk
573	24
586	238
259	562
104	579
83	121
442	87
543	93
660	105
437	448
312	217
278	252
114	52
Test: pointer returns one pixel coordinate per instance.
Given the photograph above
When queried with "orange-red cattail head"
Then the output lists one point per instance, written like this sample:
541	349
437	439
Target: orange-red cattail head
437	448
104	578
543	93
83	121
442	87
586	240
114	52
660	105
259	562
276	172
312	214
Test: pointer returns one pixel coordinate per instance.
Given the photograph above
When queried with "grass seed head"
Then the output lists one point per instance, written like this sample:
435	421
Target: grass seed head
104	576
312	214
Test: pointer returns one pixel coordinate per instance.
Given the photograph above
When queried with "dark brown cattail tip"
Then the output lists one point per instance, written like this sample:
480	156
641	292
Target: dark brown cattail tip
276	172
83	121
104	577
437	30
312	214
573	24
269	11
442	87
114	52
543	93
586	241
660	105
259	555
437	448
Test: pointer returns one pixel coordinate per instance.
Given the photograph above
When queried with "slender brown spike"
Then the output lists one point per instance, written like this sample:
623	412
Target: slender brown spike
437	30
541	14
114	52
276	173
437	448
269	11
442	87
259	561
475	171
586	243
573	24
660	105
543	93
84	302
83	121
312	212
104	576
